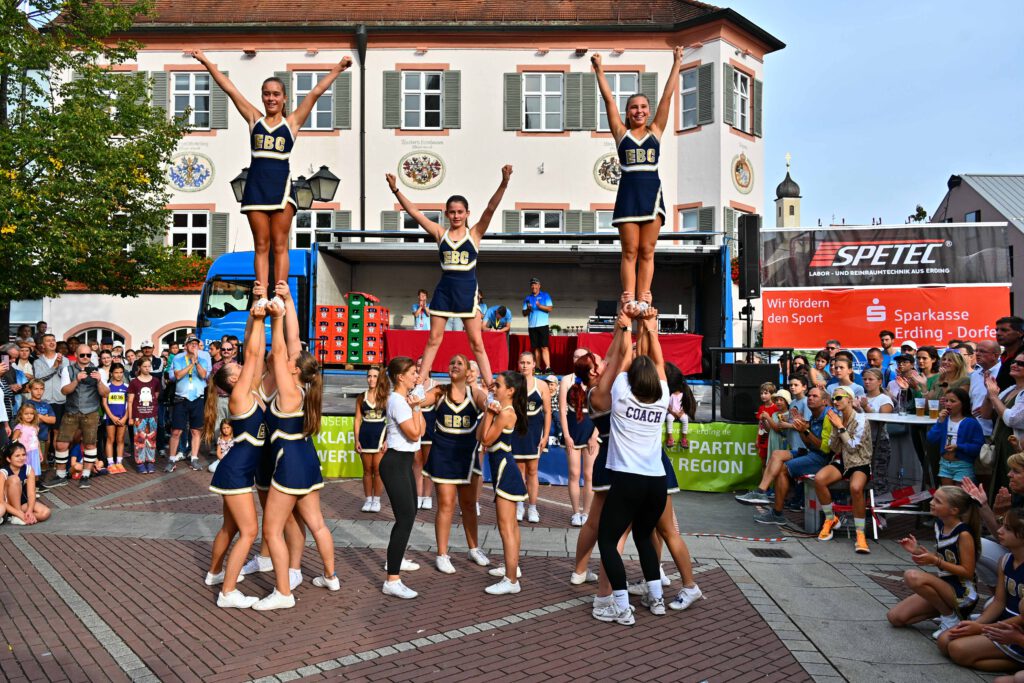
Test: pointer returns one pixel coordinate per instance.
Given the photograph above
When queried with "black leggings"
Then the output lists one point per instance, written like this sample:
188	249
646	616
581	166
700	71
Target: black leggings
396	473
636	500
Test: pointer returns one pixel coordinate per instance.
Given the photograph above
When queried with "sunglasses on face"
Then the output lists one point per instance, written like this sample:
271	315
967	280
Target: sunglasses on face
837	399
227	349
1017	363
85	355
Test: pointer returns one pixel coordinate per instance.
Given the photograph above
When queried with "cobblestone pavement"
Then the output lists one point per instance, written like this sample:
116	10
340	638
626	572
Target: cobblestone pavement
111	589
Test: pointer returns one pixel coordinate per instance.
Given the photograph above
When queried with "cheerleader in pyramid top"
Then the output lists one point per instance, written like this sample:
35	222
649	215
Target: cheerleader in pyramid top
456	294
269	201
639	205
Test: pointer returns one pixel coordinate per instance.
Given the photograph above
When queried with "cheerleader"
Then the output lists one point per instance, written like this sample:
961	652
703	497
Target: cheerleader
639	205
579	435
452	462
424	499
526	448
369	428
588	371
235	474
293	416
505	417
455	296
269	199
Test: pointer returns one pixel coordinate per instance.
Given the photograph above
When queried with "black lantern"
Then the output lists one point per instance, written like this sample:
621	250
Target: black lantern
324	184
238	184
303	192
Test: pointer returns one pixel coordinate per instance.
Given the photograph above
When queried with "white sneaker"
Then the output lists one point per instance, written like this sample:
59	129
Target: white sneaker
375	506
279	301
444	564
217	579
586	577
275	601
576	519
478	556
332	583
367	505
398	589
294	578
503	587
478	509
637	588
236	599
419	502
612	612
665	581
520	510
584	519
945	623
407	565
258	563
500	571
428	502
686	597
600	601
532	516
657	606
262	303
213	466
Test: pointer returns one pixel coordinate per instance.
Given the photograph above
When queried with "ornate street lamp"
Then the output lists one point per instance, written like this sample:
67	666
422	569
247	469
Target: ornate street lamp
303	192
238	184
324	184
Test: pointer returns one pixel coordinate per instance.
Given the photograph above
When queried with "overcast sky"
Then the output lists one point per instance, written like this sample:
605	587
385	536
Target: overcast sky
880	102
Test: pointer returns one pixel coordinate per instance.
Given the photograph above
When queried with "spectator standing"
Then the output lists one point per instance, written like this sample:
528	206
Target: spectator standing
498	319
958	436
845	377
999	403
190	370
820	374
889	352
988	364
24	362
1009	331
156	362
953	374
115	408
41	329
143	394
15	378
47	418
228	354
48	367
928	366
420	314
536	308
80	383
877	401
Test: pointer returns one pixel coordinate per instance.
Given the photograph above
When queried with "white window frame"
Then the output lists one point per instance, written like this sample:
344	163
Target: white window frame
319	220
548	80
192	93
408	223
691	215
191	231
542	217
619	94
422	92
741	83
605	216
683	93
178	334
324	106
96	334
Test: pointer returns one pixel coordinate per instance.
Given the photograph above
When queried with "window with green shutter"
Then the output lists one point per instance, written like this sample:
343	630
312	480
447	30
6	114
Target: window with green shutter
729	221
452	83
343	101
574	101
159	89
705	94
649	87
728	96
321	117
218	106
623	84
343	221
392	99
513	101
218	235
758	87
588	102
390	221
706	219
286	78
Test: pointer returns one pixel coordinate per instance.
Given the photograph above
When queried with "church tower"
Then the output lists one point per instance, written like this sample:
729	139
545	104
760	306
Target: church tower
787	201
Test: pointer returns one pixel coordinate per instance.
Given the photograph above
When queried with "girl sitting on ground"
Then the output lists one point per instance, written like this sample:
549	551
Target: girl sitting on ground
19	482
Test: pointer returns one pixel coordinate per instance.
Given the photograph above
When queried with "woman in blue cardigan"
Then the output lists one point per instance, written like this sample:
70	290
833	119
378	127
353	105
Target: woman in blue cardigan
958	436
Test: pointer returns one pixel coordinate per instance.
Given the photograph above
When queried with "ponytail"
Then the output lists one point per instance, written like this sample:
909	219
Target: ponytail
582	368
517	383
969	511
383	388
218	380
312	403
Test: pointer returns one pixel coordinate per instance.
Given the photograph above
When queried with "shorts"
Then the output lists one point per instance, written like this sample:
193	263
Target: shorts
539	337
955	469
850	471
601	479
72	422
187	414
804	465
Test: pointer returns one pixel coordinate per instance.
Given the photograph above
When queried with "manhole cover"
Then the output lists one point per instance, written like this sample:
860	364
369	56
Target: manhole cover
769	552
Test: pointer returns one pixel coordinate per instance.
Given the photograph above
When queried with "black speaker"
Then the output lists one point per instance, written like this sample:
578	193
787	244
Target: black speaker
607	308
750	255
741	388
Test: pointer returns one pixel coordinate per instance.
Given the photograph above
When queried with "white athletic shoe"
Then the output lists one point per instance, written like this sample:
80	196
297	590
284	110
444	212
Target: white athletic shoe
945	623
275	601
258	563
532	516
444	564
500	571
367	505
294	578
657	606
478	556
217	579
419	502
279	301
375	507
609	613
428	502
576	519
332	583
686	597
665	581
478	509
407	566
604	601
236	599
503	587
637	588
520	511
262	303
584	519
586	577
213	466
398	589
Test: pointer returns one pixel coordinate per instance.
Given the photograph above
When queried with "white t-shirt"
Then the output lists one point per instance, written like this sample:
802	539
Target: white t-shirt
878	402
951	428
636	431
399	411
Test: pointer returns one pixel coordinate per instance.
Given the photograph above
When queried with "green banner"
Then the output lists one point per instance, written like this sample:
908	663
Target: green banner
336	446
722	457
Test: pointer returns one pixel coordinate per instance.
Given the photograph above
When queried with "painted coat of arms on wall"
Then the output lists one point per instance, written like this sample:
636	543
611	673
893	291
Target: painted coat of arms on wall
607	172
421	170
190	172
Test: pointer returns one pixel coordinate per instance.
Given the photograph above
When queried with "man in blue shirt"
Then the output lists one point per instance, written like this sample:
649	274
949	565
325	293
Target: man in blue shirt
420	317
536	308
498	319
190	370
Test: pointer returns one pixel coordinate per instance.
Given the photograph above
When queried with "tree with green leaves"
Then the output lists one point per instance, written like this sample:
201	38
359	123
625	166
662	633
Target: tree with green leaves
83	155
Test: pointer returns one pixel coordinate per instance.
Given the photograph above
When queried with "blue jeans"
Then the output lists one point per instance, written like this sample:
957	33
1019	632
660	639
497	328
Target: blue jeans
803	465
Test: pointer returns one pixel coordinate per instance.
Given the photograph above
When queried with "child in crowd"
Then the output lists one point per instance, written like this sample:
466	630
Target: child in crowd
951	595
959	436
225	440
115	408
778	437
26	431
47	418
682	407
19	487
763	417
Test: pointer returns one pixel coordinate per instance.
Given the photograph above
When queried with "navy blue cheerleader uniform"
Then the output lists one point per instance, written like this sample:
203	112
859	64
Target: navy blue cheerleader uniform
948	548
268	186
296	463
371	430
527	446
23	475
236	472
452	458
1014	585
265	467
671	483
603	424
582	430
505	477
429	420
456	294
639	199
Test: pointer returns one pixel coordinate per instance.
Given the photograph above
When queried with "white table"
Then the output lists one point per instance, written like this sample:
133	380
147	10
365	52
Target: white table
901	419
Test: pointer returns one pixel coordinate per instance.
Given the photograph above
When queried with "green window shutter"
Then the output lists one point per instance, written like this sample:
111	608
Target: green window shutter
392	99
389	220
729	222
452	84
343	101
588	225
705	94
758	87
573	101
286	78
649	87
218	106
513	101
573	221
342	221
159	92
218	235
510	221
706	218
729	106
588	102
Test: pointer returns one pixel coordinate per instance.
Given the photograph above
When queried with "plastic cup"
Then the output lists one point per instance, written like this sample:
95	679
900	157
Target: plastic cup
933	408
919	406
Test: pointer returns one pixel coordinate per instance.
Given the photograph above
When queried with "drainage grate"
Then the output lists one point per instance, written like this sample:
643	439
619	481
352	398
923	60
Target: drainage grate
769	552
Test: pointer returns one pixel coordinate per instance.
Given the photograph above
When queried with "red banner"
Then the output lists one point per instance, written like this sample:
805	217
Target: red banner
806	319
